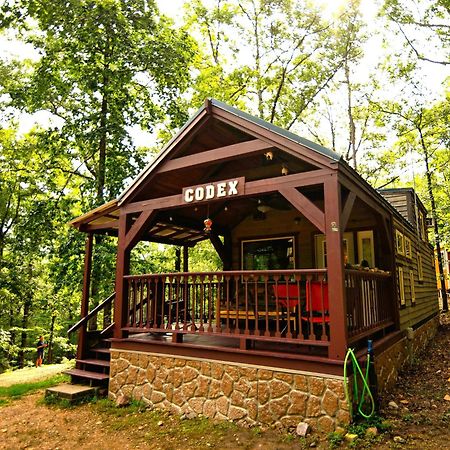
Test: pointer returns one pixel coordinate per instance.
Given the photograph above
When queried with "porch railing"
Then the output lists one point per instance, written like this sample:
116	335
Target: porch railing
101	316
370	302
257	305
285	306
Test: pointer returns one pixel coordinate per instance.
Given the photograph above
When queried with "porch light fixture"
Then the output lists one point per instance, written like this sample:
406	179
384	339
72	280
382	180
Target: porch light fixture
297	220
262	207
269	156
284	170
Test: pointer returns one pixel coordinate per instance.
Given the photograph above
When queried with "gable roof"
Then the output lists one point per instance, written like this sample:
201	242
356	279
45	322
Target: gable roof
202	113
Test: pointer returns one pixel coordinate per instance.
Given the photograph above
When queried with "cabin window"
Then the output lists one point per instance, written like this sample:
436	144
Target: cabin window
321	250
366	251
399	242
419	266
401	286
408	248
268	254
422	226
413	287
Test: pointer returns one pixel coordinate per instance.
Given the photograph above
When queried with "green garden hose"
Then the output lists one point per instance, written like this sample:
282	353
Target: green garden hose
365	390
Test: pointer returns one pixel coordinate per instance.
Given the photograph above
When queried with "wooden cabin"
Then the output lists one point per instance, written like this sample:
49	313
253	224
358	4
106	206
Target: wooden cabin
315	261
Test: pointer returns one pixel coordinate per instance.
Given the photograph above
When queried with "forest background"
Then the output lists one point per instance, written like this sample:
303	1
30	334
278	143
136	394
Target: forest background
90	90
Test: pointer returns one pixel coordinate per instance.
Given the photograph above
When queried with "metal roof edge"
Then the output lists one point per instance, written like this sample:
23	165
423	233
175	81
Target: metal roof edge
102	209
278	130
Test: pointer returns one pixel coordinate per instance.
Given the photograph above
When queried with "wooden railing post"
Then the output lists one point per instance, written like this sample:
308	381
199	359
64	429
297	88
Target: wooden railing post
122	269
335	266
82	336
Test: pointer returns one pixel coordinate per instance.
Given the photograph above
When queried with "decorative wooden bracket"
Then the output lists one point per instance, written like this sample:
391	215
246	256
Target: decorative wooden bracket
305	206
229	152
138	228
346	211
219	247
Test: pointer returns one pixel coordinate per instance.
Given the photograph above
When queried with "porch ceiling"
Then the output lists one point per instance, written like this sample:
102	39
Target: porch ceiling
217	135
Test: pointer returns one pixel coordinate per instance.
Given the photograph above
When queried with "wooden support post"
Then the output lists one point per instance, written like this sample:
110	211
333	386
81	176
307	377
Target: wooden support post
335	266
185	258
177	259
122	269
228	251
82	334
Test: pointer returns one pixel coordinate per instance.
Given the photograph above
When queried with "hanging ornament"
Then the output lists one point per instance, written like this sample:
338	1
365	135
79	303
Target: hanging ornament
208	224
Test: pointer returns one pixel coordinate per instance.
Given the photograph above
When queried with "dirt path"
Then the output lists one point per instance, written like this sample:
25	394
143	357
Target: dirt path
28	425
423	415
421	421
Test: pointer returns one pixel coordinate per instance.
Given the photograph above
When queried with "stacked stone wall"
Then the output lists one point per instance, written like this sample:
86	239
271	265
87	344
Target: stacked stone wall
403	353
249	395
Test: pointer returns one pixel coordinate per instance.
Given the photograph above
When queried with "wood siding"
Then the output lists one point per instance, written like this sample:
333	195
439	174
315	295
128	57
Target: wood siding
426	303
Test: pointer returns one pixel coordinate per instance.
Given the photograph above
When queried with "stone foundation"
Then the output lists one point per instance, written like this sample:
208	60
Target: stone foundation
397	357
249	395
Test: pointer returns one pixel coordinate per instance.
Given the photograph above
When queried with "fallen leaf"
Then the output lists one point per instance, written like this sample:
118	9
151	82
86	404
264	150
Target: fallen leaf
447	398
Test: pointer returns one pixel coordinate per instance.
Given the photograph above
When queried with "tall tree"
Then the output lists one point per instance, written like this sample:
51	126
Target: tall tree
424	131
104	66
424	26
274	56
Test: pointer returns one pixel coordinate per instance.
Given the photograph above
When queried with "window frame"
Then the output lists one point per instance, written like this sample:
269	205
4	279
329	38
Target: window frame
401	286
273	238
399	243
412	287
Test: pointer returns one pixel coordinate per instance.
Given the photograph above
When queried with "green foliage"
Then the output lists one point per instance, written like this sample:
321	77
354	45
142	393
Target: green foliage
423	25
335	440
290	55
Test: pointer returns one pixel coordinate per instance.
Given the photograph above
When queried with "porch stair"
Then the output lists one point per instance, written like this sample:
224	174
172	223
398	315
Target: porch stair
94	368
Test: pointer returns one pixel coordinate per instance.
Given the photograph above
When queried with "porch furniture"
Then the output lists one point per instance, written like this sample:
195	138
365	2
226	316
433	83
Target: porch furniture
288	297
317	306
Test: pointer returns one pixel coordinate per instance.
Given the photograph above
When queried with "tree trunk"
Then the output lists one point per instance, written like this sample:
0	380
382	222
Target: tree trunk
351	152
23	338
435	222
102	152
50	339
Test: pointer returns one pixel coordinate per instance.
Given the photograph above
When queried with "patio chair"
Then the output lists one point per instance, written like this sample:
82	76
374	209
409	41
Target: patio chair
316	307
287	296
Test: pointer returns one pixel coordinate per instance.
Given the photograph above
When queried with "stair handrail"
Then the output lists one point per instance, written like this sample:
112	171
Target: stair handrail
91	314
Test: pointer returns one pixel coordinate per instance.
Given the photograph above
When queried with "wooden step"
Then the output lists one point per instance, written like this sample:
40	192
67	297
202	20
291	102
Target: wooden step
72	392
94	362
101	350
87	374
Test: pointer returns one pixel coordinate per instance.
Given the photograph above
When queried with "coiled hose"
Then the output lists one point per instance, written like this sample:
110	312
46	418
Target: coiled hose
365	394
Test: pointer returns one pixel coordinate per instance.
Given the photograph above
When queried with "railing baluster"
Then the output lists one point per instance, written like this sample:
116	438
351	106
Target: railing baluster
228	287
193	300
266	303
177	299
210	299
255	287
236	320
277	307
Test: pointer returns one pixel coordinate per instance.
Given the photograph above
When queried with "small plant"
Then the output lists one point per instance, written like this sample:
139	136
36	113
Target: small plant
335	440
409	418
256	431
288	438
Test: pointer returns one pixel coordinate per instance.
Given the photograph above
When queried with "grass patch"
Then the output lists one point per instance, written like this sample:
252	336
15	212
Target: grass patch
21	389
64	403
